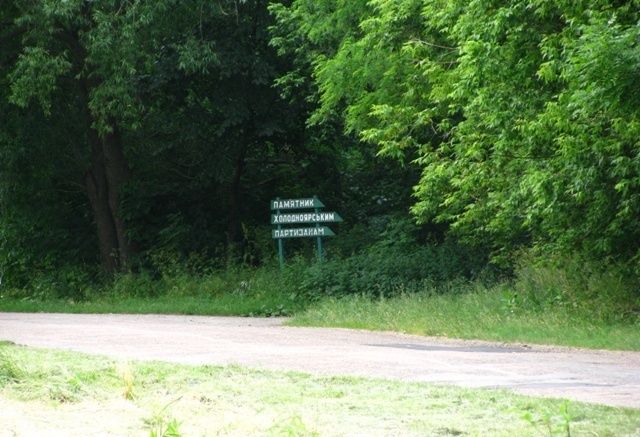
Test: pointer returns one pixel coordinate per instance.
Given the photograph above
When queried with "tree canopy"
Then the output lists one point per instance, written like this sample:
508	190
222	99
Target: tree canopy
524	114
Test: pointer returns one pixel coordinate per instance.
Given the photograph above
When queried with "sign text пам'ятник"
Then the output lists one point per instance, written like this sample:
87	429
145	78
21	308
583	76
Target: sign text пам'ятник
311	202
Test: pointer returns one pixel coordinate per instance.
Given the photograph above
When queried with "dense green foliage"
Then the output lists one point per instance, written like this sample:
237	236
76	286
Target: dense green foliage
524	114
136	134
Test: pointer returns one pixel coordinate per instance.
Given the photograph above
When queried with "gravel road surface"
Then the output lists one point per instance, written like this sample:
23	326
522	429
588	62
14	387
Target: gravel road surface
604	377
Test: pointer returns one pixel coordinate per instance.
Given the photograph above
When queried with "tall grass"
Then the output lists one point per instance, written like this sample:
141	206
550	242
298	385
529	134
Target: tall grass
565	303
432	290
183	286
235	291
608	293
10	370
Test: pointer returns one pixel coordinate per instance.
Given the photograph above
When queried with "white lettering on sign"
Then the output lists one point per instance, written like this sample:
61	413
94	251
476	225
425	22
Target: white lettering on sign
292	203
304	218
301	232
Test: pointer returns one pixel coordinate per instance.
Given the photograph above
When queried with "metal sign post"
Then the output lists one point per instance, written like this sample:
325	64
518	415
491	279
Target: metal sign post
318	238
280	245
287	217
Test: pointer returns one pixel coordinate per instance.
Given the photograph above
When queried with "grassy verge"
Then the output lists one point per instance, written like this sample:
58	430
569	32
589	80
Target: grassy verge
477	313
486	314
245	292
45	391
222	305
571	304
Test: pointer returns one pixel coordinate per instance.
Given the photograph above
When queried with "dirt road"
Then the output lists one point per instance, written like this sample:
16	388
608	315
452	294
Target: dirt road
611	378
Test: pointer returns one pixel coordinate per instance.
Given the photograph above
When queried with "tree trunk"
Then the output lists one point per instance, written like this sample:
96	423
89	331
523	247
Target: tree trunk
118	174
98	193
108	170
234	227
235	238
104	180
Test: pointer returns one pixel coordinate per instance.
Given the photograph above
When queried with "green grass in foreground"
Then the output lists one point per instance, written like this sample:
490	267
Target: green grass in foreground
43	392
480	314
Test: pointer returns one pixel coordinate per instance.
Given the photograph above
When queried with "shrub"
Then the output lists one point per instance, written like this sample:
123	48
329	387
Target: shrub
390	269
135	285
71	282
607	292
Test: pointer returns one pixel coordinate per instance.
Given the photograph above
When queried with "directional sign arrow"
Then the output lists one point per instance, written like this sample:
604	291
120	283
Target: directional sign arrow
321	231
306	217
311	202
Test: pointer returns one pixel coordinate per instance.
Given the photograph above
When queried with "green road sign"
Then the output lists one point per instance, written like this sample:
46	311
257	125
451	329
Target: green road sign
311	202
321	231
283	217
305	217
